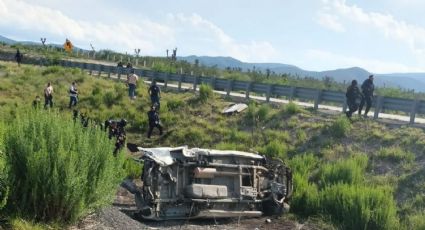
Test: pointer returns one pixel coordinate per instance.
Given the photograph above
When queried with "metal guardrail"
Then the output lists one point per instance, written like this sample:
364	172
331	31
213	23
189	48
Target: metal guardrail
408	106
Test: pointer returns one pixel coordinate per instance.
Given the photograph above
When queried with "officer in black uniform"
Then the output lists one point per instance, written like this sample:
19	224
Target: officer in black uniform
367	89
155	92
154	121
352	94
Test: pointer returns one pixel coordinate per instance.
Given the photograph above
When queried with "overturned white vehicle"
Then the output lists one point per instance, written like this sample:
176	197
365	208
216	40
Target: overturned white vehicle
181	183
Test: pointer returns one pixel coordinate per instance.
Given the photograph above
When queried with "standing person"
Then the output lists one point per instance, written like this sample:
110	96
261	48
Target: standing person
73	95
132	83
18	57
155	92
352	94
154	121
367	89
48	96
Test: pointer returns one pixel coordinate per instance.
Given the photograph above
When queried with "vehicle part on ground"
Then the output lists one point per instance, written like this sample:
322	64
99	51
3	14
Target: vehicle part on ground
234	108
182	183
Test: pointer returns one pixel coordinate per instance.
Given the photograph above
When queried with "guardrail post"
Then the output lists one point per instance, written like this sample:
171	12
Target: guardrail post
109	71
167	76
414	110
100	71
229	87
378	107
154	76
180	82
269	92
292	94
317	99
212	82
195	82
344	106
119	70
248	88
91	69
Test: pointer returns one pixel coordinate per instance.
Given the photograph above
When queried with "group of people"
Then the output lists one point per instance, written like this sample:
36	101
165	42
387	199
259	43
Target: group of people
48	96
365	96
154	93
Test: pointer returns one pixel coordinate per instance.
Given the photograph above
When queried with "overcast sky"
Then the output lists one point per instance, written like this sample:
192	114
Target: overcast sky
382	36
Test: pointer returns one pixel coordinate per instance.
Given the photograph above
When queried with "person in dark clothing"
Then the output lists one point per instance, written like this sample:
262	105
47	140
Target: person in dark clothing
18	57
367	89
117	131
155	92
352	94
154	121
36	102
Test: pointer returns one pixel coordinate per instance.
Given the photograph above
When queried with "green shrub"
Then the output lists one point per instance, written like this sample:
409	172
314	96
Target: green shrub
205	92
21	224
132	168
396	154
4	188
350	171
96	90
301	135
305	199
251	113
52	70
263	113
173	104
275	149
109	98
303	164
359	207
416	221
340	127
58	170
291	108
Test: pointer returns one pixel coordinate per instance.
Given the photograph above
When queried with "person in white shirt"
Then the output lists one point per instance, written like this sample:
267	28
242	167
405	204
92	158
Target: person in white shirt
48	95
73	95
132	82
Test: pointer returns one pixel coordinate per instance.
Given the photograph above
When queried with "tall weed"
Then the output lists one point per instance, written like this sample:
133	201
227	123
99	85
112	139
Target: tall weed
58	169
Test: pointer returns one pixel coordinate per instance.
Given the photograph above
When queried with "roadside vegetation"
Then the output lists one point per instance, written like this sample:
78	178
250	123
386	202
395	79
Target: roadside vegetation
359	175
162	64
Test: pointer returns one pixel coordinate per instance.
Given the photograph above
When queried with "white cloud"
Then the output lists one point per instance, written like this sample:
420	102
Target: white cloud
150	36
372	65
42	20
410	34
330	21
216	42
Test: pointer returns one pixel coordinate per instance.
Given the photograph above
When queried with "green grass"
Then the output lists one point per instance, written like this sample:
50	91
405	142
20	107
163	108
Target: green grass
318	148
396	154
58	170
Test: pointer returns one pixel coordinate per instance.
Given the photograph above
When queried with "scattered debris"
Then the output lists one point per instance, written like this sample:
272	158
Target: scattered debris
234	108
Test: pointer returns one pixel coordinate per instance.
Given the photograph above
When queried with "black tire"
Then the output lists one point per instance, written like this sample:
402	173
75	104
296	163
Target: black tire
273	206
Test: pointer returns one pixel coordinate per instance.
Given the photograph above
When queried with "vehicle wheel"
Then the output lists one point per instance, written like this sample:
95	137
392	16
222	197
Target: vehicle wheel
273	205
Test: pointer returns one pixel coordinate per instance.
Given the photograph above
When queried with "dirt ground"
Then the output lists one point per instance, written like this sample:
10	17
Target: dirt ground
121	216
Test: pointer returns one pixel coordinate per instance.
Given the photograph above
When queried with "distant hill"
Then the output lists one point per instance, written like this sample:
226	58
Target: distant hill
414	81
32	43
7	40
